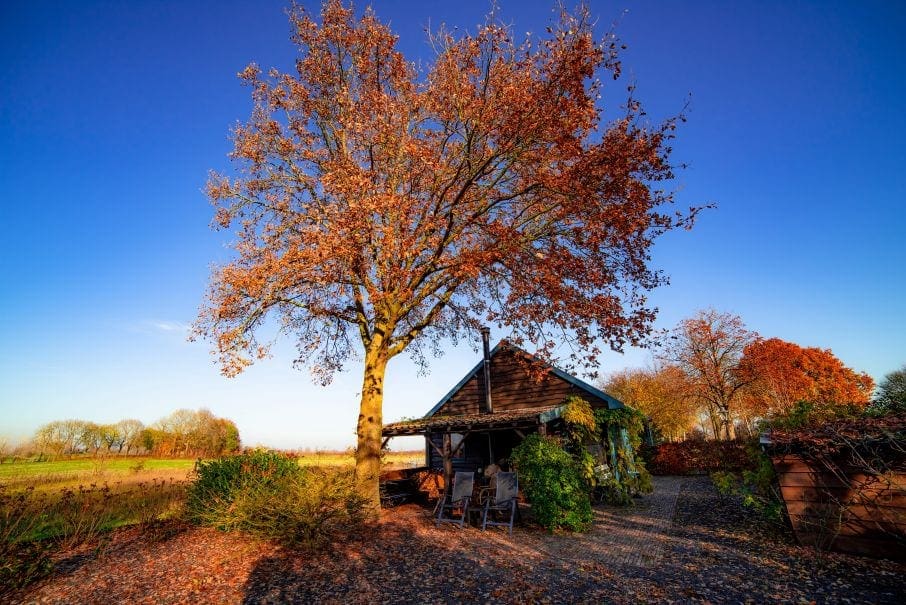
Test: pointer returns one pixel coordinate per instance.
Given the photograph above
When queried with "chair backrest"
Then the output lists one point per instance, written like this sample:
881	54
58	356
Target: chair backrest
507	487
463	483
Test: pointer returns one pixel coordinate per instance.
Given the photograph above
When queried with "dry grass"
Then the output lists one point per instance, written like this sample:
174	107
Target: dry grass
392	460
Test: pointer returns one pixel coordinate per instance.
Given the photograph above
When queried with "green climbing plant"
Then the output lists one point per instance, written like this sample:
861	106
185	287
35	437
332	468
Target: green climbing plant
621	431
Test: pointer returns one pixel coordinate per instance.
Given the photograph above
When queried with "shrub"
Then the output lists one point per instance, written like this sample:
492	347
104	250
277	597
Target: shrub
552	484
700	457
804	414
856	467
310	510
270	496
83	514
220	482
23	563
33	523
756	488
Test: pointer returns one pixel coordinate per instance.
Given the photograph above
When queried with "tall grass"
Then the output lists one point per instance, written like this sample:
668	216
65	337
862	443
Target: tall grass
35	523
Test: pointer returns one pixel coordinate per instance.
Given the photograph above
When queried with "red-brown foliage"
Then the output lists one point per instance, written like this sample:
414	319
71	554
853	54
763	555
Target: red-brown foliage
382	207
699	457
834	436
782	373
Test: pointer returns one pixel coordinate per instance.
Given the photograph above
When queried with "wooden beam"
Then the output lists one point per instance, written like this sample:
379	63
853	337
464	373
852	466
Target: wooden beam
436	449
384	442
461	443
448	463
520	433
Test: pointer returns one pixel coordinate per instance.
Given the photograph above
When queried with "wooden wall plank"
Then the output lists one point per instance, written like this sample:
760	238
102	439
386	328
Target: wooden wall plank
867	515
513	389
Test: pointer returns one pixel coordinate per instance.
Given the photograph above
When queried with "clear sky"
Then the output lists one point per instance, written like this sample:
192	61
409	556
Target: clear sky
112	113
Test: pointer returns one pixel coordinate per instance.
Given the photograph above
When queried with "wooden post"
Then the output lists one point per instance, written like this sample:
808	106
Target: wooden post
448	462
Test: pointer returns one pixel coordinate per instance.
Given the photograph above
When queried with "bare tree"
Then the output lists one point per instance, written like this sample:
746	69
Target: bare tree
708	347
129	431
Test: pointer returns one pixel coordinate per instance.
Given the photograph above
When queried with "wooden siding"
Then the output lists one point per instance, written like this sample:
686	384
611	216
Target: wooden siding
871	521
512	388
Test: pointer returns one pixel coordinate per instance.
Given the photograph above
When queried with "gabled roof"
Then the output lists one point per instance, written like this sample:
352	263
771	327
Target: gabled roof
612	402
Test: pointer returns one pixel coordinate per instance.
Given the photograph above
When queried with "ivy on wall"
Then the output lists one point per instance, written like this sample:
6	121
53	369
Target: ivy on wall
593	457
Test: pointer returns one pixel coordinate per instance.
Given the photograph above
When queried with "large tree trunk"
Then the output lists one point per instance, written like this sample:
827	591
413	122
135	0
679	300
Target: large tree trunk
726	424
368	451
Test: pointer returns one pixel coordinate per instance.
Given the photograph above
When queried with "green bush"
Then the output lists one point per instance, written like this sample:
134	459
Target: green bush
271	496
219	482
551	482
312	510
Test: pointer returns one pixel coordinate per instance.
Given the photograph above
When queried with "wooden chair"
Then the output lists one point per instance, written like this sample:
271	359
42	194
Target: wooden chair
502	500
454	507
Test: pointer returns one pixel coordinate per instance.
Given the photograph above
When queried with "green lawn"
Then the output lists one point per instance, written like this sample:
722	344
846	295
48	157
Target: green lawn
113	465
135	468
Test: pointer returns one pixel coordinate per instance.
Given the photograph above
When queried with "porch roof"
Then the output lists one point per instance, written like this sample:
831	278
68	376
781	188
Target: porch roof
461	423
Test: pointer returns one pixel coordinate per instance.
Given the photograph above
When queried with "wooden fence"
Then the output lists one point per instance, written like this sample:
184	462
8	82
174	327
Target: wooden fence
834	507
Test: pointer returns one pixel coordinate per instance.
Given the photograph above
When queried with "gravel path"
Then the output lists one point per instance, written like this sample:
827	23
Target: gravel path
678	545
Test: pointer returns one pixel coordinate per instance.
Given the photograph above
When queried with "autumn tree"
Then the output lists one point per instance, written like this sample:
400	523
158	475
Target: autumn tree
891	395
191	433
708	348
59	437
129	431
782	373
383	206
664	394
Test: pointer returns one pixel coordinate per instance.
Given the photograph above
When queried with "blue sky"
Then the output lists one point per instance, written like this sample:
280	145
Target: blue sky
111	115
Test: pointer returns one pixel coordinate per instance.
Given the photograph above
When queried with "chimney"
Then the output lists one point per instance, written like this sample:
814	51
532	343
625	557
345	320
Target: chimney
485	340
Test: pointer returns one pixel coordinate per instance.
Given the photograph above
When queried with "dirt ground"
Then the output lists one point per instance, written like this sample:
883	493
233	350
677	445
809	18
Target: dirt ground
680	544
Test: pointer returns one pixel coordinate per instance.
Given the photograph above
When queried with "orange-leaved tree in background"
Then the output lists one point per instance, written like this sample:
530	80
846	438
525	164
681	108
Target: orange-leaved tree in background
783	373
383	205
664	394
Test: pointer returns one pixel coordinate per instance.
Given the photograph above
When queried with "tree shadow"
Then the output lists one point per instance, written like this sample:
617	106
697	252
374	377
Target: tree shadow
410	561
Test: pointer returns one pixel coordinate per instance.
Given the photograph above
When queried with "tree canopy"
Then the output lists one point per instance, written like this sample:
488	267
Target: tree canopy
664	394
782	374
708	348
383	206
891	395
182	433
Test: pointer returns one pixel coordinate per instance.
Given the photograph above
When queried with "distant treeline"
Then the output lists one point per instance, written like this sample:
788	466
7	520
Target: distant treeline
187	433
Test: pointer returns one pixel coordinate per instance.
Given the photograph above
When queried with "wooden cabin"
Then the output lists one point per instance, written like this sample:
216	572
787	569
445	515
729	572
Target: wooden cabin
506	396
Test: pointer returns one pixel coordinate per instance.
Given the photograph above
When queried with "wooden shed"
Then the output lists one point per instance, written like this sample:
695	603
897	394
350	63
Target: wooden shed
506	396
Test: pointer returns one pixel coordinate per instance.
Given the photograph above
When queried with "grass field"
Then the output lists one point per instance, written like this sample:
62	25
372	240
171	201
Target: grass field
59	506
391	459
114	465
128	470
